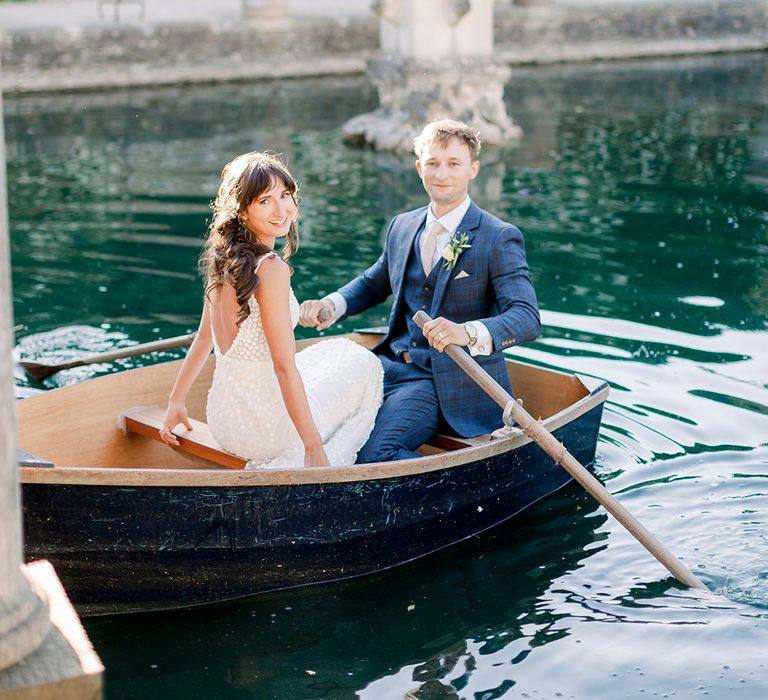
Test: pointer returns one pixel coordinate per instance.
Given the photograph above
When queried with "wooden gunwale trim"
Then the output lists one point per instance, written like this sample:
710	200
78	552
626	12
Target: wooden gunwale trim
122	476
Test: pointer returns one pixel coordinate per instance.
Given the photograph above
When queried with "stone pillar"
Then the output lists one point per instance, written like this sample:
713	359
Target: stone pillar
23	613
265	9
436	60
39	658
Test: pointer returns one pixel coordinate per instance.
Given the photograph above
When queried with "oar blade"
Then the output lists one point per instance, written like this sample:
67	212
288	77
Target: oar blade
37	371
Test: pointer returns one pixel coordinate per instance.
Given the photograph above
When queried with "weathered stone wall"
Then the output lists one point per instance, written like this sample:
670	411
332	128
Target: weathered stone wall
145	54
71	58
576	33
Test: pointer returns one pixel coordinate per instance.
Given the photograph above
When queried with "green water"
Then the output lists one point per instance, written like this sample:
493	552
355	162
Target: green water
642	190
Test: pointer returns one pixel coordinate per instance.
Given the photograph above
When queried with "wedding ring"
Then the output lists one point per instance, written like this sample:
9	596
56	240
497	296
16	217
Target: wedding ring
440	335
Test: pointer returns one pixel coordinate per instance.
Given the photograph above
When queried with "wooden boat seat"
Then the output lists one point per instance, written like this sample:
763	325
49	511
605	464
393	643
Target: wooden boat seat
453	442
147	421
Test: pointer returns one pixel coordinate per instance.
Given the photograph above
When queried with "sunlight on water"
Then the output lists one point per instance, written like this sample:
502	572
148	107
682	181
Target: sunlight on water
640	190
712	302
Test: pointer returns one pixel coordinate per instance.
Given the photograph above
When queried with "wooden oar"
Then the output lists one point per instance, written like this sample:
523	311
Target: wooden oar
534	429
41	370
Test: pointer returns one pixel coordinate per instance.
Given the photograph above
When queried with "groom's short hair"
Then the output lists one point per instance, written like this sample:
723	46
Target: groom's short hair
442	130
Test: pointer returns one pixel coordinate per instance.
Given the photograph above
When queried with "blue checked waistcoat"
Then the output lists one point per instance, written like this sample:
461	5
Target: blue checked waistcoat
489	283
418	293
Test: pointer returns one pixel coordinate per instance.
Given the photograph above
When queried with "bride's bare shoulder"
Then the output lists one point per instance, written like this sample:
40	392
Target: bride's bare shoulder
273	270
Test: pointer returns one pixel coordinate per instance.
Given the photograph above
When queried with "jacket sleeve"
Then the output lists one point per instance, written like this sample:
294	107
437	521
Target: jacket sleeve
518	319
373	286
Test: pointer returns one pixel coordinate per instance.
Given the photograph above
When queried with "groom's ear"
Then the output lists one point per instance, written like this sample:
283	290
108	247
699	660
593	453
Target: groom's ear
474	168
418	166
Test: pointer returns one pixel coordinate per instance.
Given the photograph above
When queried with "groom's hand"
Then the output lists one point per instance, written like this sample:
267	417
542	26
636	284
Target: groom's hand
317	313
440	332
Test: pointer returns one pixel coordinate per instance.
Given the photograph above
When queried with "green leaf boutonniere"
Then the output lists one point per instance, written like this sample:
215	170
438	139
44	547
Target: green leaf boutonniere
456	245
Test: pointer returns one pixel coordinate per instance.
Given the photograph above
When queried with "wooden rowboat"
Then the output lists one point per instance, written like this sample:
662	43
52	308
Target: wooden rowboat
131	524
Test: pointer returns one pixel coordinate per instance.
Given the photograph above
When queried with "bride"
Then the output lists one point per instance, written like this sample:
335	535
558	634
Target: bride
267	404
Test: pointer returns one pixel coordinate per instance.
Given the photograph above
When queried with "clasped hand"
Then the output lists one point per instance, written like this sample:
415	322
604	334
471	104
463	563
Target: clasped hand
311	311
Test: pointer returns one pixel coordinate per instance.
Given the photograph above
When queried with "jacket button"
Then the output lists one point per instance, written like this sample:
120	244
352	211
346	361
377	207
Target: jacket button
426	289
413	343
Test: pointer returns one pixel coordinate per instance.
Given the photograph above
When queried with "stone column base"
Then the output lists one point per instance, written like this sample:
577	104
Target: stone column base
64	666
412	93
24	618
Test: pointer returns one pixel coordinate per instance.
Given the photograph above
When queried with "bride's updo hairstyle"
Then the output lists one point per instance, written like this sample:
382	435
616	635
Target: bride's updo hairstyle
231	251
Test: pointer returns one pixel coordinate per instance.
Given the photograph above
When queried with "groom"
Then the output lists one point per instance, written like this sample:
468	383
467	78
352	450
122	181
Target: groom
466	269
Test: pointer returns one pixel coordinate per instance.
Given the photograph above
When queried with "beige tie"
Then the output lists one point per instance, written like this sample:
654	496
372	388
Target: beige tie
429	243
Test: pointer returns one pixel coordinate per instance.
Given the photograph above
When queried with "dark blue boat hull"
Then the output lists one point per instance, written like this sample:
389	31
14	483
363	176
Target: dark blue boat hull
120	548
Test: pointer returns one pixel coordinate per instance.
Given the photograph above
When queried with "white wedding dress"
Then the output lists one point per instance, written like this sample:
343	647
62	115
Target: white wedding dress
246	412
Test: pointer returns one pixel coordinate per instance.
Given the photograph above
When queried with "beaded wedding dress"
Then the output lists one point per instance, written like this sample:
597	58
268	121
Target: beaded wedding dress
246	413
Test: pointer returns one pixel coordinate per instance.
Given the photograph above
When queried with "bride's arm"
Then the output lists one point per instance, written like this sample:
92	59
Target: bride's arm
190	369
272	294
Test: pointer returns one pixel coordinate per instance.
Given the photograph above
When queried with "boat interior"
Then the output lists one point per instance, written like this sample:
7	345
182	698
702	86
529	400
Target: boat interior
89	424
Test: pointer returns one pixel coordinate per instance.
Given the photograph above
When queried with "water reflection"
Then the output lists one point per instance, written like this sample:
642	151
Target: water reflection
642	193
331	641
132	174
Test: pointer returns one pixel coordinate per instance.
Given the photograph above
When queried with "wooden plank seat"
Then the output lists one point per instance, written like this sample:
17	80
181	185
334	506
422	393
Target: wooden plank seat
453	442
148	420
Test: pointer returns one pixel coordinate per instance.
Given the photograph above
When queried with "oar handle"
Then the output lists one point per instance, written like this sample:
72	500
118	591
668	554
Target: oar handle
534	429
180	341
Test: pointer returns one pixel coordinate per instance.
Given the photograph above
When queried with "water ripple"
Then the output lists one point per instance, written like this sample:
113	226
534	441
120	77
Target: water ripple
643	204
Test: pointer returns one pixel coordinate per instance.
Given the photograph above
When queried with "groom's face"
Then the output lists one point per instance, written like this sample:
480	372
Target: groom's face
446	170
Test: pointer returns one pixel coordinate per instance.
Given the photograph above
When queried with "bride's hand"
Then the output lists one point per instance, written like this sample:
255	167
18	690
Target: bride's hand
317	313
316	457
175	414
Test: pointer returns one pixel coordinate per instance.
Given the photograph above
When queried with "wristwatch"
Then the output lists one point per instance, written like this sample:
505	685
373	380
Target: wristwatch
472	333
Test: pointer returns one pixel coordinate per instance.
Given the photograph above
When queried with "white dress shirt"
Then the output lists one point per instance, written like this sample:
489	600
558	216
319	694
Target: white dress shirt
450	222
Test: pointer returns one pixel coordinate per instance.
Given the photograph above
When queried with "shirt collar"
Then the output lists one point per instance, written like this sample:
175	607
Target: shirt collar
452	219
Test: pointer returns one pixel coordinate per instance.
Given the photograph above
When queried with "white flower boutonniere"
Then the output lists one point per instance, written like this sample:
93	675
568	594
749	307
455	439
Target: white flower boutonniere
456	245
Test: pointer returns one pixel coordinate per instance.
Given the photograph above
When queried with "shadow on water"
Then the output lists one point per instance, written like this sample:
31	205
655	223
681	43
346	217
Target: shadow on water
432	616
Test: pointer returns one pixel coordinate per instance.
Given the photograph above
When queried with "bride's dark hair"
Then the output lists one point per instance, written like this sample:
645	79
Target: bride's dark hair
231	251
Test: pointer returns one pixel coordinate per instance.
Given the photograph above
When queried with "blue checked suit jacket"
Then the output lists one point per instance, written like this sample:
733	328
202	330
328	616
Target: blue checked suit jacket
495	290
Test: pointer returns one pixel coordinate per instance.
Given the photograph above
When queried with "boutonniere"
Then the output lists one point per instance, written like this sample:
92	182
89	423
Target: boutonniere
456	245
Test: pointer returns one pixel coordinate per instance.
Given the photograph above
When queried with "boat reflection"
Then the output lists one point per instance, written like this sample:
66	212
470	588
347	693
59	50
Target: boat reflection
427	620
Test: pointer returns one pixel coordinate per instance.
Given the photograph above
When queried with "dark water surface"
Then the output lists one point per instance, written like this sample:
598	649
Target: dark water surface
642	190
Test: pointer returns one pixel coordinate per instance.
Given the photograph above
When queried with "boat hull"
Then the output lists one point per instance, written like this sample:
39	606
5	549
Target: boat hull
129	547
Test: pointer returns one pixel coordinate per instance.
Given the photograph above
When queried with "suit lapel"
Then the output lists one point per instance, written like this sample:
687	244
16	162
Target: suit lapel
469	225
